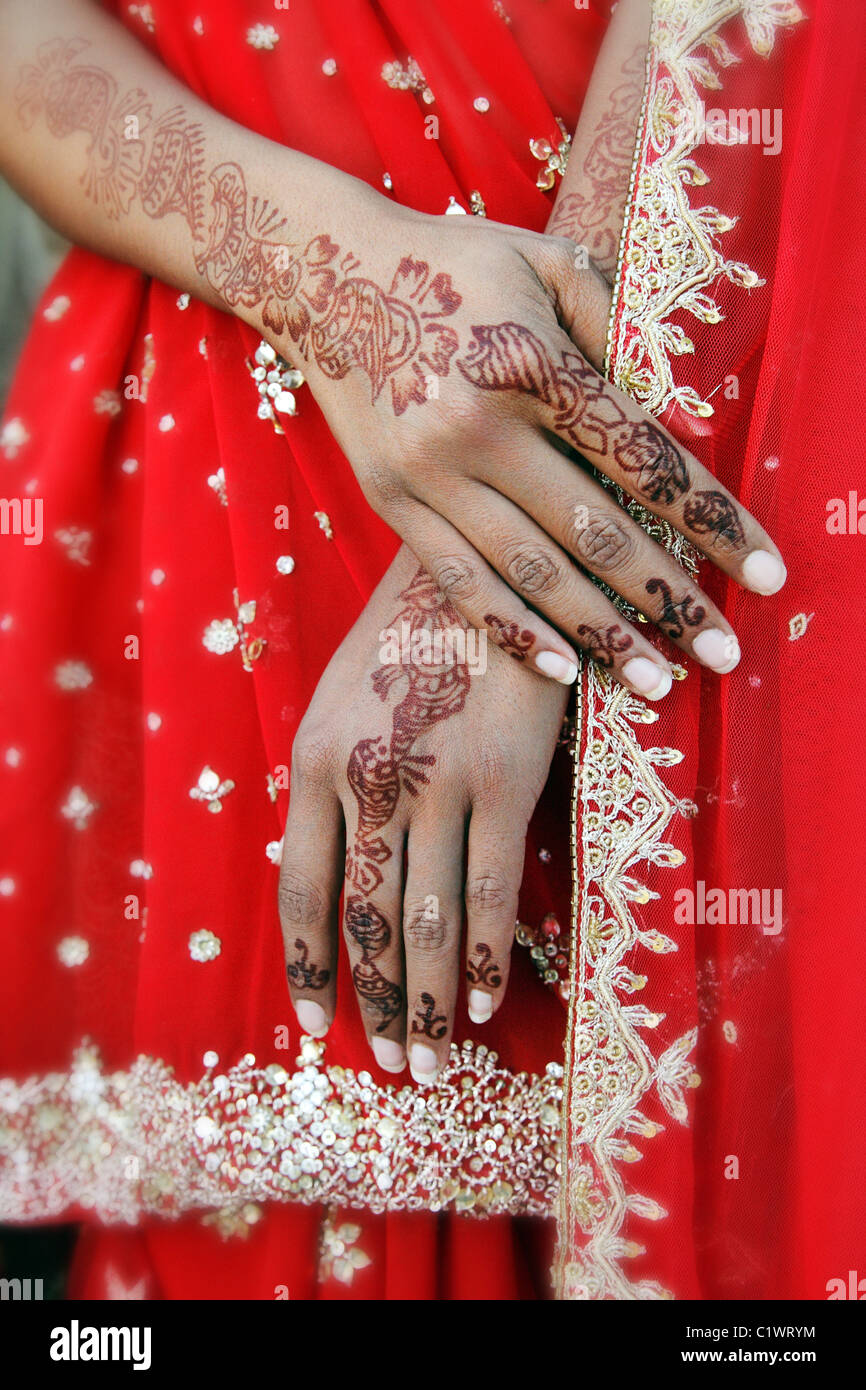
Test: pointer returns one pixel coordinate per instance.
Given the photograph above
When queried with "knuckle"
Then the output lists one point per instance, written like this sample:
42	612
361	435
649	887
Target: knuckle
424	929
301	901
381	483
534	571
489	773
456	577
605	541
488	890
311	753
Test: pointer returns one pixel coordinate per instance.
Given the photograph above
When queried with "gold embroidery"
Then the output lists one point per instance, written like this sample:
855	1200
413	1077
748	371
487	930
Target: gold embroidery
139	1142
670	255
621	807
340	1254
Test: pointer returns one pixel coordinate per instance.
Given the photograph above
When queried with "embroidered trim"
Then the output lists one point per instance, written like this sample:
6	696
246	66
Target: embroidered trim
621	807
669	253
128	1144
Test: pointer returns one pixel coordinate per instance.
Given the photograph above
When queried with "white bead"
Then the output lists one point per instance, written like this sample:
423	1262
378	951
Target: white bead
285	403
481	104
285	564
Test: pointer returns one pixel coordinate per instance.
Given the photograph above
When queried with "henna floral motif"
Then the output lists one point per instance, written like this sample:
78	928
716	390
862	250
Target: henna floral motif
84	98
595	219
367	925
715	513
654	462
302	973
511	637
605	644
676	615
427	1022
483	970
336	317
508	357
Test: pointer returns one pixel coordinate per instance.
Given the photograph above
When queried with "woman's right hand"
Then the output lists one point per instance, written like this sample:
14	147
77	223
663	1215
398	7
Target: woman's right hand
455	365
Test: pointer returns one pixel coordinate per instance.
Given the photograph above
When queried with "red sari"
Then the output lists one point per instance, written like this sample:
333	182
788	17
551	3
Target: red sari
166	639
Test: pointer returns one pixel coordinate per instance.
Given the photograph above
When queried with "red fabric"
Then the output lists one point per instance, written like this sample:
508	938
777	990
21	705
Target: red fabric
770	759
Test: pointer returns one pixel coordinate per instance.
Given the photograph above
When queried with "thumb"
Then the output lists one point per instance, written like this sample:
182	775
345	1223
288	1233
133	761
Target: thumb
580	293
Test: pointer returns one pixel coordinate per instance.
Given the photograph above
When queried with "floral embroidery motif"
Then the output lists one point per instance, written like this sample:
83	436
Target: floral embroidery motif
670	257
407	79
276	383
72	951
224	634
73	675
123	1144
554	157
217	483
13	436
210	789
204	945
263	36
78	808
621	808
76	542
340	1255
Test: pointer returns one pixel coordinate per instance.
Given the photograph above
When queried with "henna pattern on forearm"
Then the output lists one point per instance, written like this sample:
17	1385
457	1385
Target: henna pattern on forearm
594	218
604	644
677	614
302	973
336	318
511	637
427	1022
508	357
483	970
379	768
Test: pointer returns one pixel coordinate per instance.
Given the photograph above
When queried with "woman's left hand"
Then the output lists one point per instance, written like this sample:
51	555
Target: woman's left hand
428	747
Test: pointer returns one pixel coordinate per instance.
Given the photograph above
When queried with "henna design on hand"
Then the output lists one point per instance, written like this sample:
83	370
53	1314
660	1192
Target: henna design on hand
340	320
511	637
379	768
676	615
427	1022
372	932
483	970
302	973
595	220
604	645
715	513
508	357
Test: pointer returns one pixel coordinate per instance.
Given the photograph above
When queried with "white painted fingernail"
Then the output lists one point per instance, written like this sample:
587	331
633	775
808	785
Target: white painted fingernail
650	680
717	649
559	668
423	1064
764	572
389	1054
480	1005
312	1018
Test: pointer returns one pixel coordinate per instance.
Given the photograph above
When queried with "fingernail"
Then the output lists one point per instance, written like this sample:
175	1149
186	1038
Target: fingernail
717	649
559	668
312	1018
647	678
388	1054
764	572
423	1063
480	1005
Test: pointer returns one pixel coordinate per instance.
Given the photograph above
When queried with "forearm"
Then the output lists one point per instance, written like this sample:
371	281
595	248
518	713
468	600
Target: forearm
124	159
591	202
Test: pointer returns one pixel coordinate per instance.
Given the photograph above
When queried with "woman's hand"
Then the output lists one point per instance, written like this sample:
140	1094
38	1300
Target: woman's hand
436	761
454	363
